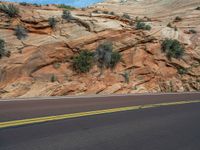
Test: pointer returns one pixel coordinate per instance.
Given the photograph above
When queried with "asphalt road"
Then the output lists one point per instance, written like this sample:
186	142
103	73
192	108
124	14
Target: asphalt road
30	108
174	127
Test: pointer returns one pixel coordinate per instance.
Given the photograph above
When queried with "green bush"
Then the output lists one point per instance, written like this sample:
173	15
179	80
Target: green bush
20	32
143	26
67	7
83	62
140	25
67	15
172	48
148	27
106	57
11	10
182	70
53	78
52	22
126	16
115	59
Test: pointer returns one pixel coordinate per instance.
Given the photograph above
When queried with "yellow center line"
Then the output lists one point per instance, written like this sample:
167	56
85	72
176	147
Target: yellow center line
89	113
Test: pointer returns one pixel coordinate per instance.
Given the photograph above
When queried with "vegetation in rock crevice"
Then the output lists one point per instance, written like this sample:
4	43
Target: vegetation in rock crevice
169	25
52	22
2	48
142	26
126	77
198	8
106	57
3	51
53	78
182	70
56	65
83	62
177	19
21	32
67	15
192	31
10	9
112	13
126	16
172	48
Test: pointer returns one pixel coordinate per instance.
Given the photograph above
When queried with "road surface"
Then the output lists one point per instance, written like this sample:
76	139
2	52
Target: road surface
169	127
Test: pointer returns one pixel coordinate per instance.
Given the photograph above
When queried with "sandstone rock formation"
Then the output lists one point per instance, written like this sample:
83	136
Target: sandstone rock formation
48	52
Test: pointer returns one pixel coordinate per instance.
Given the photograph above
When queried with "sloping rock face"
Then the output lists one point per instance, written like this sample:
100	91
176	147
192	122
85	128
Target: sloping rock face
47	53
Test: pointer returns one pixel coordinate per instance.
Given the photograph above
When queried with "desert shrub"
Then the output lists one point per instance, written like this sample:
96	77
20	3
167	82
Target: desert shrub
2	48
3	51
83	62
192	31
112	13
198	8
56	65
172	48
105	12
126	77
52	22
148	27
126	16
140	25
175	28
143	26
105	56
96	11
177	19
67	15
169	25
36	5
135	87
67	7
115	58
20	32
182	70
53	78
10	9
29	4
25	4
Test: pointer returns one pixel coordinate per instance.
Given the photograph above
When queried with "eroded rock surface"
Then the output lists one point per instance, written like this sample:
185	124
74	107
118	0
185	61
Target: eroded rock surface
47	52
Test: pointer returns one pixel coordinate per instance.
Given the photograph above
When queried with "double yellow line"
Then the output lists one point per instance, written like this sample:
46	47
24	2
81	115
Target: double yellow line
89	113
